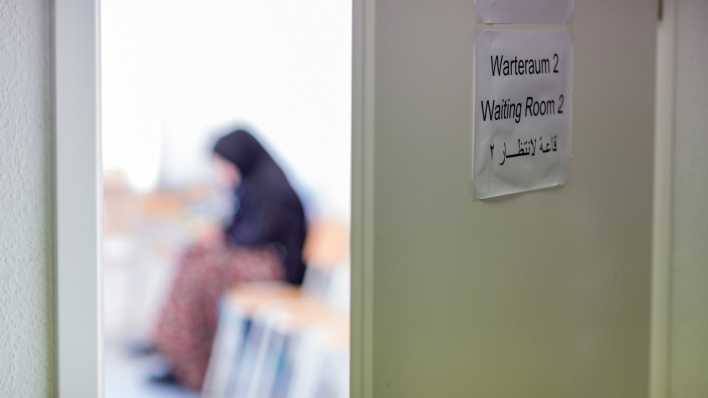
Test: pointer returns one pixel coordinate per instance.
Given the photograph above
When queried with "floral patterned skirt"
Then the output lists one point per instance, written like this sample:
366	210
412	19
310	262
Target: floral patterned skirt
187	324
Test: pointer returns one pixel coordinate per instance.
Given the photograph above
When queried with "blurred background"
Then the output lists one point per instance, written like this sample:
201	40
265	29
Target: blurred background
176	75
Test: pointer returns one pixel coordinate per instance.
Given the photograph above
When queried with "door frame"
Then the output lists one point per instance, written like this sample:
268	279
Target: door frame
662	239
79	193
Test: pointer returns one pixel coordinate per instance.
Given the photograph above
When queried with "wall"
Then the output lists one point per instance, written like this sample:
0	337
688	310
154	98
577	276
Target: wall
26	259
689	257
164	92
545	294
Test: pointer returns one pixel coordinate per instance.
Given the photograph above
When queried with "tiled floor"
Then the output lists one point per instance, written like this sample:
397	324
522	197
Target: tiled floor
126	377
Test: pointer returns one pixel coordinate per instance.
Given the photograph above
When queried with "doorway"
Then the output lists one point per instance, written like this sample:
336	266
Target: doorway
175	79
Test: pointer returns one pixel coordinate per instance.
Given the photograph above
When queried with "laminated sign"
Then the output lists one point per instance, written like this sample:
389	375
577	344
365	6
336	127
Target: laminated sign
522	115
525	11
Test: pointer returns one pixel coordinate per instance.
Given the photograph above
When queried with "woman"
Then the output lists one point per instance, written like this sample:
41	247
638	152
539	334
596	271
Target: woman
262	241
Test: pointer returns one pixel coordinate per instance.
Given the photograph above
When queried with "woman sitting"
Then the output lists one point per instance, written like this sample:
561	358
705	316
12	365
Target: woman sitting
262	241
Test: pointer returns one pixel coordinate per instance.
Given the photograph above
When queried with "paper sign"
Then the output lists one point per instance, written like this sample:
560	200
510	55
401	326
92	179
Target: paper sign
525	11
522	115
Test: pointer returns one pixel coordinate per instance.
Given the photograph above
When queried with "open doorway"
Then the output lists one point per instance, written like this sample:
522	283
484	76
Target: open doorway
176	78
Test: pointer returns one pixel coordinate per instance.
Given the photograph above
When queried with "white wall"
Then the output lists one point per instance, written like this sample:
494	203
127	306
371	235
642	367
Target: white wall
280	65
26	259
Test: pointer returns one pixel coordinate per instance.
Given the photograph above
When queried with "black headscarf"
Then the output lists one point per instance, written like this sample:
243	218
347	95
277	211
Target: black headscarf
267	210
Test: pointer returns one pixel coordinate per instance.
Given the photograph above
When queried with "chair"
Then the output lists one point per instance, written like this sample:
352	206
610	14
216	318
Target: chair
280	353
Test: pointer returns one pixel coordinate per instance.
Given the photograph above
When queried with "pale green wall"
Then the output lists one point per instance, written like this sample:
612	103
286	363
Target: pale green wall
689	310
542	295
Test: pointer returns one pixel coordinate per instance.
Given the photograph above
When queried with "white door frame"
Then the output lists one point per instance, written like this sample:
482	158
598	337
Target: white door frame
79	192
